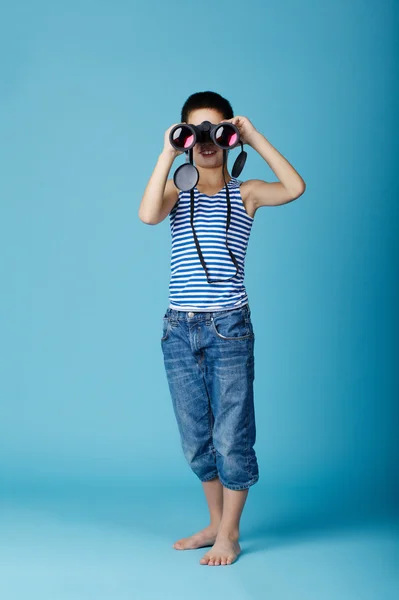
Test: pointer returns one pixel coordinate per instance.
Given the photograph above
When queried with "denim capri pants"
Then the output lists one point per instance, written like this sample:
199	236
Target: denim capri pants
209	364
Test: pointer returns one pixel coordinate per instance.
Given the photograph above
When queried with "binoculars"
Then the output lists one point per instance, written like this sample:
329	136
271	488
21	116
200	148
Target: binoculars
183	137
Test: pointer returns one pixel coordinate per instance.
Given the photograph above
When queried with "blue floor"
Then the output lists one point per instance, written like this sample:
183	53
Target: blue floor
81	542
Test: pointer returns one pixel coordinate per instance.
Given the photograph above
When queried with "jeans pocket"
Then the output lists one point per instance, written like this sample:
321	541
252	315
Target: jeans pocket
165	328
232	325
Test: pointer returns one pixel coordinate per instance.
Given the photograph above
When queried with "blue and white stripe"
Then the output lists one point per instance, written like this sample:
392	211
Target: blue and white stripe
188	288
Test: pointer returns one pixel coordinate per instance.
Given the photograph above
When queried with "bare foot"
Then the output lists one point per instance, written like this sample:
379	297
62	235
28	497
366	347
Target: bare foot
205	537
224	552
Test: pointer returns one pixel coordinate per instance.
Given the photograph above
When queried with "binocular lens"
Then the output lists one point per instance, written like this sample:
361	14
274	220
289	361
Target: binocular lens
183	137
226	136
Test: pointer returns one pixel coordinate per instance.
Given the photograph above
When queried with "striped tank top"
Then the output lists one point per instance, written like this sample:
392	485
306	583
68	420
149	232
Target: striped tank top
189	288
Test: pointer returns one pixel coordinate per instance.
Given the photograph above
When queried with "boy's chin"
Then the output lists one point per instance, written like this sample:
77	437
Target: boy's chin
210	164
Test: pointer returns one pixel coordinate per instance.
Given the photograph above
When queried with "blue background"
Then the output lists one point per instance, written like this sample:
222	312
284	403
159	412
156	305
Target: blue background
86	422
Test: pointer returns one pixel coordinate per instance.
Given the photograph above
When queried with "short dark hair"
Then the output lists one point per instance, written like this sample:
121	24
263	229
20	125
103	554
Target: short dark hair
206	100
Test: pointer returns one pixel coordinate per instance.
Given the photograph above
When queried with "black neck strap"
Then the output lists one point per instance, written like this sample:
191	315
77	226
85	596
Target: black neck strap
233	258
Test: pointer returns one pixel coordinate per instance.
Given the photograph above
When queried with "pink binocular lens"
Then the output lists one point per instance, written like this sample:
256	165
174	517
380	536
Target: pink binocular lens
226	136
183	137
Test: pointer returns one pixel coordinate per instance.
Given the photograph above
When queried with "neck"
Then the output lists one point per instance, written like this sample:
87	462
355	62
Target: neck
213	178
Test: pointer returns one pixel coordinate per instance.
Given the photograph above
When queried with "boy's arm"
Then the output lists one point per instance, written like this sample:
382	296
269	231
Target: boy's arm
290	186
161	194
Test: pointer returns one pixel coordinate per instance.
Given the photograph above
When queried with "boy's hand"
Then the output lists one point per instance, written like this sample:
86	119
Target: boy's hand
244	126
168	146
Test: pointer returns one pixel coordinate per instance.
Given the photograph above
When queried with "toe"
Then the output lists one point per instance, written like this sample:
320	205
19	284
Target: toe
177	545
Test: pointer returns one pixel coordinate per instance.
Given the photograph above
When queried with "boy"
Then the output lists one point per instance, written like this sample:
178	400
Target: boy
208	337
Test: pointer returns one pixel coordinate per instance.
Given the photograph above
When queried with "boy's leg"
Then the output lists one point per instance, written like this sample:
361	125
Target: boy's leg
192	408
226	547
206	537
214	496
190	399
230	376
230	379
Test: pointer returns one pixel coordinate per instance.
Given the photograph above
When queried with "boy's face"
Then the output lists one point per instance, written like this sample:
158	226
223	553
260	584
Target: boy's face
202	159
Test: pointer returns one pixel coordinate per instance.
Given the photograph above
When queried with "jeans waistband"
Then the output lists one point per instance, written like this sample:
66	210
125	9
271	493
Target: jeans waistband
206	316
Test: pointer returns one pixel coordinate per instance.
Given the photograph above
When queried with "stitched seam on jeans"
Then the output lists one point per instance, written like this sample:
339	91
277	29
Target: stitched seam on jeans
204	454
247	444
163	338
209	477
241	487
209	419
223	337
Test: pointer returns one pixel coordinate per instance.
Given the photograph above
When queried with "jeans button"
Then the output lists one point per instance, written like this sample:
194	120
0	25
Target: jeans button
190	314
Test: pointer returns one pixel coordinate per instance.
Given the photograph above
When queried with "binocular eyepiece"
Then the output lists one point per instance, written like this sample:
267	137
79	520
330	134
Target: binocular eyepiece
184	136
